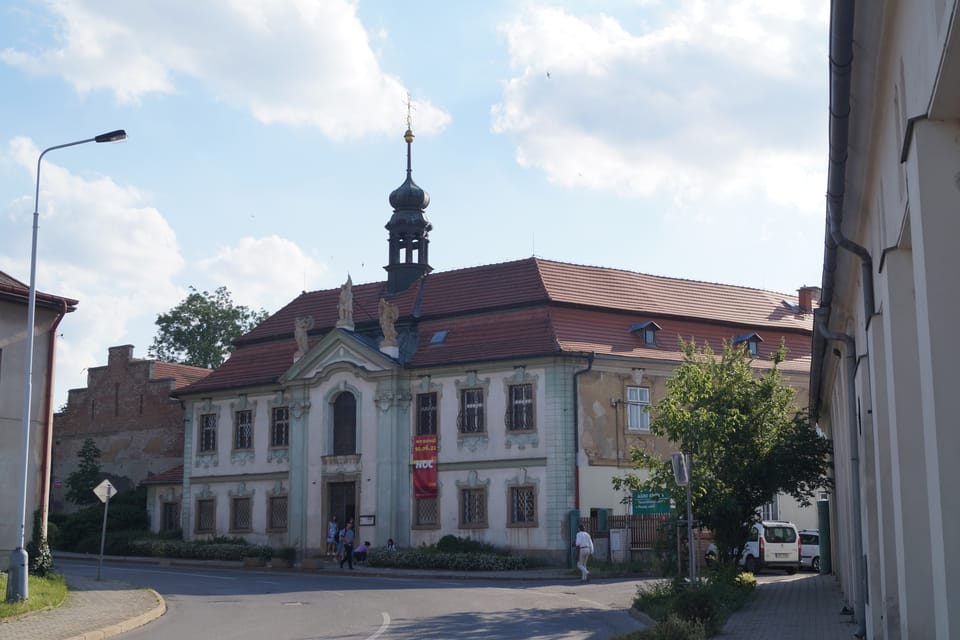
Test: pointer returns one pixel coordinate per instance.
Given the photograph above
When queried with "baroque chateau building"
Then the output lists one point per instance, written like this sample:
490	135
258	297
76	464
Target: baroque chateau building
494	402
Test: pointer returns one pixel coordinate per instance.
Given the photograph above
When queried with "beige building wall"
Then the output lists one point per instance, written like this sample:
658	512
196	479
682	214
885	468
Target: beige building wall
13	318
890	413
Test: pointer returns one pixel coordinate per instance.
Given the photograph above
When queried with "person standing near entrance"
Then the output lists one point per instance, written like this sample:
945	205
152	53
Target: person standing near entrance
332	529
347	539
584	545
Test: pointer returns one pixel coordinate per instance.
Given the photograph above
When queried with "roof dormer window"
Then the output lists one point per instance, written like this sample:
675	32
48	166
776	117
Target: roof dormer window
647	331
749	340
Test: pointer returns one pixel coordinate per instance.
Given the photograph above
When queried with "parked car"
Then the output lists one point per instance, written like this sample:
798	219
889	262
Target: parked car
810	549
773	544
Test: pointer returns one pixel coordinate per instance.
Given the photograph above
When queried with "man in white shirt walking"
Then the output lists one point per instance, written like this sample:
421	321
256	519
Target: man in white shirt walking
584	545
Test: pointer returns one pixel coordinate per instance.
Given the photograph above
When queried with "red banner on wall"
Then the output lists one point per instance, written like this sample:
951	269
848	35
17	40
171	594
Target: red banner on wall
425	466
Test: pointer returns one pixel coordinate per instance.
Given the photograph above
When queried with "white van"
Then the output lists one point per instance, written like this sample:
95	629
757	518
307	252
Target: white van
772	544
810	549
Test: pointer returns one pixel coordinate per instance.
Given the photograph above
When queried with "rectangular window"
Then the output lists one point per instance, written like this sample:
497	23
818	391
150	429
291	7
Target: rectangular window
208	433
280	427
277	513
520	411
427	512
426	414
170	517
471	411
638	402
473	508
243	429
523	506
240	514
206	515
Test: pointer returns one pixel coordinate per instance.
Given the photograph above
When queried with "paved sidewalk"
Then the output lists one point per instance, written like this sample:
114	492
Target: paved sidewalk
92	611
797	608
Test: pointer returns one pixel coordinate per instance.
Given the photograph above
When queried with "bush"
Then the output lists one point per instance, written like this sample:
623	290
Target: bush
455	544
675	628
700	603
656	600
81	531
41	561
426	558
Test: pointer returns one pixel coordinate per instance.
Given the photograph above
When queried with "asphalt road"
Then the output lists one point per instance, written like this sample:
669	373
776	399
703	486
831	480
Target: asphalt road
256	605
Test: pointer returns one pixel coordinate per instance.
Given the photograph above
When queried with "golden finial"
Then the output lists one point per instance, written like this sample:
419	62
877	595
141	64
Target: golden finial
408	135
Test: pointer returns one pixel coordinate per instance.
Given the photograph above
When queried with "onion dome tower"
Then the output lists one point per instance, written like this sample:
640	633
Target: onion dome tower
409	230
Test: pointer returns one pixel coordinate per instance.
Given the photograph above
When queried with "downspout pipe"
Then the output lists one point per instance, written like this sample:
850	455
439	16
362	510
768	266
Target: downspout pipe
576	428
850	360
45	469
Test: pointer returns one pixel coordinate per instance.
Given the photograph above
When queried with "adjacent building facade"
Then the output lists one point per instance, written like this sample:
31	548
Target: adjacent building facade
49	312
127	410
487	402
885	349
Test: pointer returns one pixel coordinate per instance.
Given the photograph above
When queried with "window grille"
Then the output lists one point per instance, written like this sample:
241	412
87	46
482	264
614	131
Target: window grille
428	512
473	508
206	516
243	429
638	401
520	411
523	505
280	427
426	414
208	432
470	419
278	513
240	514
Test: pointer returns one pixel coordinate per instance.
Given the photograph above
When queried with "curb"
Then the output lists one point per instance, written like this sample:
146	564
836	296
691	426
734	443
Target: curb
126	625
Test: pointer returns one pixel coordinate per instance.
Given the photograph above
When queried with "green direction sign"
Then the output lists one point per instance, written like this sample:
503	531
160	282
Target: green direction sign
645	502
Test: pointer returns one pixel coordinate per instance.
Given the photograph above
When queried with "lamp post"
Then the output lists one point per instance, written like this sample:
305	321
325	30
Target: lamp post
17	572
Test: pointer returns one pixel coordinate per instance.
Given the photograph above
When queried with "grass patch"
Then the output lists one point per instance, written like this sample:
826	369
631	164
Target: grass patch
43	592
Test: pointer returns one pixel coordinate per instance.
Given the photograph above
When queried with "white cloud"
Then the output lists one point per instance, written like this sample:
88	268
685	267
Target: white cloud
701	100
100	243
263	272
295	62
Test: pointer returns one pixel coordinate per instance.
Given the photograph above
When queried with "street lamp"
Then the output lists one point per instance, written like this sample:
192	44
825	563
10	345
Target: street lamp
17	572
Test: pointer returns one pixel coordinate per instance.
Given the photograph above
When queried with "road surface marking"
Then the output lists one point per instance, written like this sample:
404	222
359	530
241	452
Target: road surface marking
383	627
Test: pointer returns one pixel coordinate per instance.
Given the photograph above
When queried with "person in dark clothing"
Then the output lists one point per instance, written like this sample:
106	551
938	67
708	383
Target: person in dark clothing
347	538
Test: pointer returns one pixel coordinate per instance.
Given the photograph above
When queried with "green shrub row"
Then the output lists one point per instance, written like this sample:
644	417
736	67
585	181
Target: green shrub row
199	550
427	558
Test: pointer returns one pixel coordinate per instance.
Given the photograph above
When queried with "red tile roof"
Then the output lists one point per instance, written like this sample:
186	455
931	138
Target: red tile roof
170	476
531	307
12	288
182	374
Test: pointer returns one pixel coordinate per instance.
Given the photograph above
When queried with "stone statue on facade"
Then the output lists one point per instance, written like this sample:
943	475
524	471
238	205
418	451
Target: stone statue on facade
300	328
345	305
388	316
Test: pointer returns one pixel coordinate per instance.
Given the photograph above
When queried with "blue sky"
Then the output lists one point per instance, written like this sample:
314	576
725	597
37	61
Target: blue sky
683	138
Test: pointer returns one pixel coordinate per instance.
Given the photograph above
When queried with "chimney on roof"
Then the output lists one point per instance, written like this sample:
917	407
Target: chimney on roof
121	354
806	295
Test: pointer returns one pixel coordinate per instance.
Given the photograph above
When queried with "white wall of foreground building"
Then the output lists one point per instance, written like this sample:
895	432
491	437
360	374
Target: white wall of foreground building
892	415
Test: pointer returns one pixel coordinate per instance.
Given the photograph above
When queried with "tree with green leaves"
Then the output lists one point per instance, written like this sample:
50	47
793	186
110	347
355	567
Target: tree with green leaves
200	329
80	483
748	441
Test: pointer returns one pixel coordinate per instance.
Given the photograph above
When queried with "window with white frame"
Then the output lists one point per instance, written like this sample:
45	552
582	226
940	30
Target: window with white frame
470	419
473	508
243	429
280	427
208	433
638	402
520	408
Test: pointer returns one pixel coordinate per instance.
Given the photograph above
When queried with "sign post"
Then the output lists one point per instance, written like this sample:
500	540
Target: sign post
104	491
